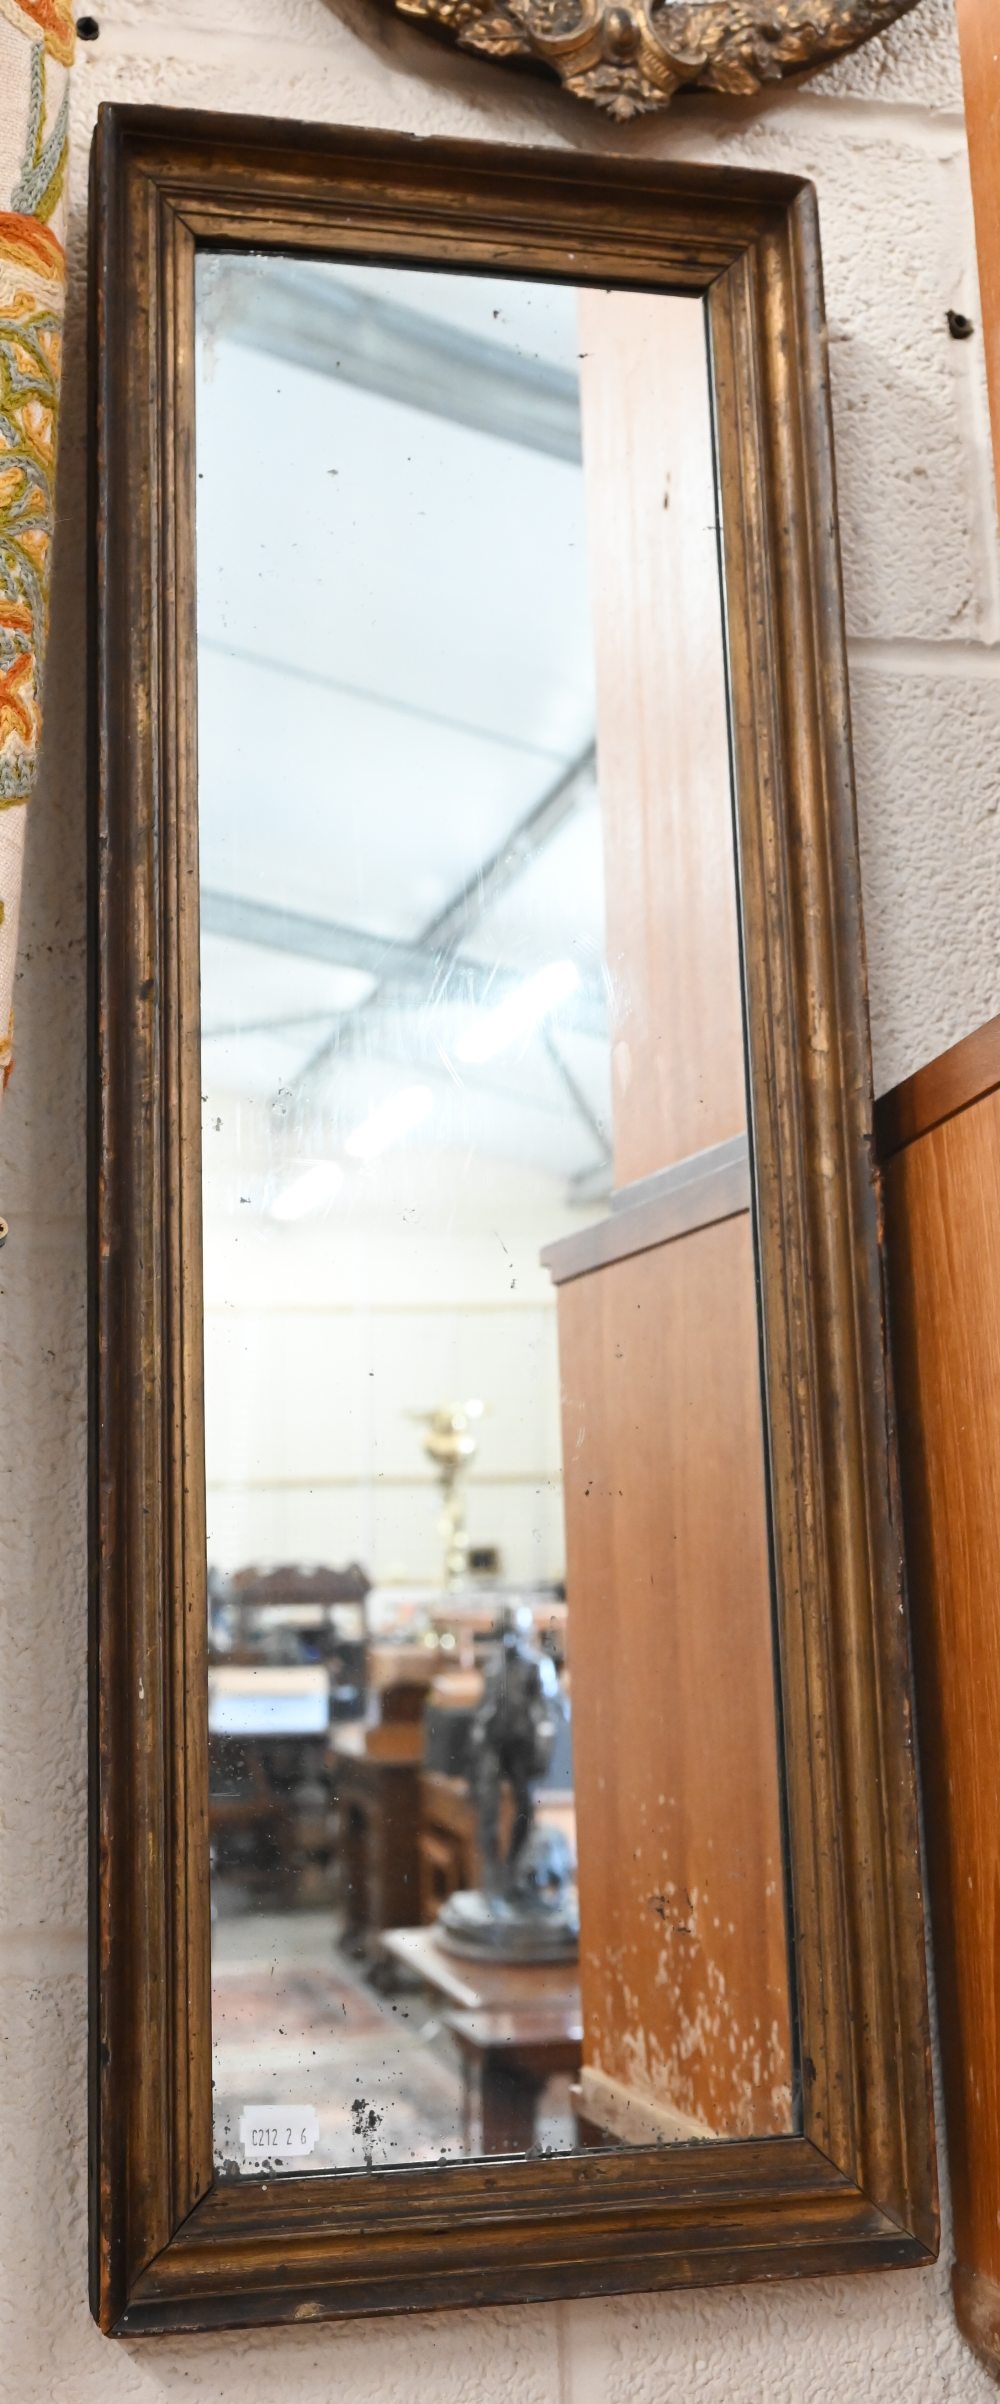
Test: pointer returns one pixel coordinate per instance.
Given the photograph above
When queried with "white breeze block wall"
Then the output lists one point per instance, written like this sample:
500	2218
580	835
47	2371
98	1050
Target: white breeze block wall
883	138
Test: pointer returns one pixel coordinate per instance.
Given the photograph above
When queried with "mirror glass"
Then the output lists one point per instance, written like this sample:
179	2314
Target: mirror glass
495	1795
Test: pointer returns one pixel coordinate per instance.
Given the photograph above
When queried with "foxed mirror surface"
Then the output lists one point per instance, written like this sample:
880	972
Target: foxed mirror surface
495	1793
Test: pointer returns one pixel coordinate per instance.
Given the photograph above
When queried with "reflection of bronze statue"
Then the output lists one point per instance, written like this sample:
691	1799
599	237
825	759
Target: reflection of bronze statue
524	1910
512	1739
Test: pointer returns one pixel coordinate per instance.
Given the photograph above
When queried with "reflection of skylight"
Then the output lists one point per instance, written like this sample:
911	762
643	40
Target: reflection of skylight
422	702
390	1122
520	1013
310	1192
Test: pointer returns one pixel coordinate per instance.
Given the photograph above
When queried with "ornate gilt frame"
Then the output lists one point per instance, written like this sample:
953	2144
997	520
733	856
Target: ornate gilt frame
632	56
173	2247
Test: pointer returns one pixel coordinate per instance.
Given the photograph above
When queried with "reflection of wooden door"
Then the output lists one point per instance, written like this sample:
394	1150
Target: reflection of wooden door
683	1948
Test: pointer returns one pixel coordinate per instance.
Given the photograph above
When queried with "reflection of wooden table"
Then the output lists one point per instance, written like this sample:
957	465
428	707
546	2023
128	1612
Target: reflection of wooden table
518	2023
515	2053
377	1812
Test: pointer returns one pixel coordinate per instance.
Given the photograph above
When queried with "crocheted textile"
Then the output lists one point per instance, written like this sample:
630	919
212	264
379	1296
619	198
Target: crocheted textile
36	48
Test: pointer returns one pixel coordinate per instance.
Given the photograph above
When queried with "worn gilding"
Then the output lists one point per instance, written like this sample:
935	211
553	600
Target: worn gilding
628	57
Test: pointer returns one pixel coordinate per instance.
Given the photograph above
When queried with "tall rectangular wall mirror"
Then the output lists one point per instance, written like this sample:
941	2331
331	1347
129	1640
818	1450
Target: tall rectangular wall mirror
481	1341
505	1860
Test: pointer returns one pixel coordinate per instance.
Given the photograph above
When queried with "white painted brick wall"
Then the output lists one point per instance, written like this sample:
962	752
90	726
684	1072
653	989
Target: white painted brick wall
883	137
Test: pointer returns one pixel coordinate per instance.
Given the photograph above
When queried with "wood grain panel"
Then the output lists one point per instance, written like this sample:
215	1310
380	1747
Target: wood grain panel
662	740
944	1259
979	40
683	1947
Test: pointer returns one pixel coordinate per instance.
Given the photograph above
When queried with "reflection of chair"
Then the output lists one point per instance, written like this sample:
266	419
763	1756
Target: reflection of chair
249	1822
446	1841
442	1870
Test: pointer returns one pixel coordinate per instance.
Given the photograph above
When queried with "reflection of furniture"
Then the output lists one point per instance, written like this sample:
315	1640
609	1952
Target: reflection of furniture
264	1699
268	1800
376	1806
527	2028
446	1841
249	1823
447	1844
402	1664
448	1629
472	1622
480	1986
403	1703
299	1614
510	2056
449	1720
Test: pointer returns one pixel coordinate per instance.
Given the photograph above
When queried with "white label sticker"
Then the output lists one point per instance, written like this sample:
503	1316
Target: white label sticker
277	2132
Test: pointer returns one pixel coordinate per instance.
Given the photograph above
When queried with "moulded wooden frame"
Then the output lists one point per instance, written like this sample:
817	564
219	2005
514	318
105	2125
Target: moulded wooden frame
173	2247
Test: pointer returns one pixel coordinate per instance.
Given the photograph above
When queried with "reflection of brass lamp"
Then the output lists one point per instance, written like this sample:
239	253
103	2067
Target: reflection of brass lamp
451	1445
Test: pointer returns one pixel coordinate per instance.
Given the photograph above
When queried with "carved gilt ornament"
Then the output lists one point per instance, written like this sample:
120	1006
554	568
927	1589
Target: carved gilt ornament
629	56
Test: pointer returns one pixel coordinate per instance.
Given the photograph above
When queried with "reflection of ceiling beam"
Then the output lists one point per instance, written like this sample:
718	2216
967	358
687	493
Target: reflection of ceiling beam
401	353
440	935
278	930
386	1048
516	853
294	673
394	963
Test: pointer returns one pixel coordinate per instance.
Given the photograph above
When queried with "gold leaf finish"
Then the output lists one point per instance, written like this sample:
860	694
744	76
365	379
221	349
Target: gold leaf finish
629	57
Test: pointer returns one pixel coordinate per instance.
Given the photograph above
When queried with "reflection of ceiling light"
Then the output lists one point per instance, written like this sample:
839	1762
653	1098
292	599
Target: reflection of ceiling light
392	1120
520	1012
309	1192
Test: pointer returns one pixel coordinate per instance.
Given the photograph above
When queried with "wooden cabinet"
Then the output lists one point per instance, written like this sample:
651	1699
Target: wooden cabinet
980	46
939	1135
376	1802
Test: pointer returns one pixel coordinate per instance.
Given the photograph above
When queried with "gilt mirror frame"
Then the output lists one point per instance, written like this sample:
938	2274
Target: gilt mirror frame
630	57
174	2247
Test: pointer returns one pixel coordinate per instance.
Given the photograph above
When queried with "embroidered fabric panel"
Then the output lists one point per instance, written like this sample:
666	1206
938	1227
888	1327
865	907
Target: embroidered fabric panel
36	49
